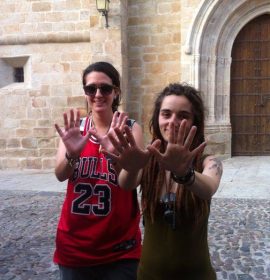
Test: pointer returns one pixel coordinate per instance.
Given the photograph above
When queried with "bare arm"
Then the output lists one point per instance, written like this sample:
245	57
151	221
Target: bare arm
207	182
62	169
71	142
178	158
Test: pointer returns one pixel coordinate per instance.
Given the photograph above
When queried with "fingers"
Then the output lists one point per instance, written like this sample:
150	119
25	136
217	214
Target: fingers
154	149
156	144
72	122
119	120
155	152
59	130
114	119
129	136
190	137
117	146
78	118
182	132
122	119
125	139
66	126
113	157
71	118
122	139
171	137
123	123
199	149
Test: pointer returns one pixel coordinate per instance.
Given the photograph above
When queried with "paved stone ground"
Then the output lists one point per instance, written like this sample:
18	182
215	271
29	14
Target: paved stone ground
239	236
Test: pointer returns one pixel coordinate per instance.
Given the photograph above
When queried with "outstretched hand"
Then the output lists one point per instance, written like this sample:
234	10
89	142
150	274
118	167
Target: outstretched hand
177	157
126	153
71	135
118	121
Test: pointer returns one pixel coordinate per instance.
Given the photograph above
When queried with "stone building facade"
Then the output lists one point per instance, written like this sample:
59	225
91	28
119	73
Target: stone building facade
44	45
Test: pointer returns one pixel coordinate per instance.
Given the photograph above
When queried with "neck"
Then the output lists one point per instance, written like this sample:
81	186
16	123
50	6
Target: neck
102	121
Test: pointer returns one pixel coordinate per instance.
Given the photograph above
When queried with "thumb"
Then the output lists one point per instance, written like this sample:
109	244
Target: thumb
154	149
199	149
156	144
94	133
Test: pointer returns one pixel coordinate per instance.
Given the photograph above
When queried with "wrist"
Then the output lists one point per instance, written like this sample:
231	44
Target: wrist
72	161
187	179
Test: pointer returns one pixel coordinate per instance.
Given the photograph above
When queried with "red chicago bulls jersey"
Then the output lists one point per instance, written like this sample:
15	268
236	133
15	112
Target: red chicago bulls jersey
99	221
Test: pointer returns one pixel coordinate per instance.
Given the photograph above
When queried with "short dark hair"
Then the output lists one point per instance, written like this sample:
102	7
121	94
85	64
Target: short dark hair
108	69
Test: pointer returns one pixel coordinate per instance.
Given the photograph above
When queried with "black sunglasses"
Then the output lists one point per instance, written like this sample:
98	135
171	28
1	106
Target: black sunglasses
169	214
104	89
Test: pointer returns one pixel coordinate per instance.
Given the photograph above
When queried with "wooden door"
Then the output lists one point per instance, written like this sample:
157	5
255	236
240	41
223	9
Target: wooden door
250	89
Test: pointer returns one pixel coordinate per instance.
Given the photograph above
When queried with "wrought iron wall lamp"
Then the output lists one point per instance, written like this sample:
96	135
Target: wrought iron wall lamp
103	8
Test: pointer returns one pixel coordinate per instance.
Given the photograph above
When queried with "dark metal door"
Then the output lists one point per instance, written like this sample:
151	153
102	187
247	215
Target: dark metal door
250	89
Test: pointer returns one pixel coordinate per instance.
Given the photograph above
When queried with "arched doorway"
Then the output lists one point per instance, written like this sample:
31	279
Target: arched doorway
206	62
250	89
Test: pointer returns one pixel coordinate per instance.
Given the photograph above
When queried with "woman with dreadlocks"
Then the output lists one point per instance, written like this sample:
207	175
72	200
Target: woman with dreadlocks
177	183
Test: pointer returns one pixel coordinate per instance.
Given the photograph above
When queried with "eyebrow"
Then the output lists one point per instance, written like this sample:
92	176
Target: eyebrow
180	112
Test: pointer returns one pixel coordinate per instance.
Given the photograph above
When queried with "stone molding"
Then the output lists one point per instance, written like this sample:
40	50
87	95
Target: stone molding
209	44
207	50
43	38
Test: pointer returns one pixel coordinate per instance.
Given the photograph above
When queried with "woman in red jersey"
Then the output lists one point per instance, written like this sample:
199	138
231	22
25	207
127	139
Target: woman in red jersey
177	183
98	235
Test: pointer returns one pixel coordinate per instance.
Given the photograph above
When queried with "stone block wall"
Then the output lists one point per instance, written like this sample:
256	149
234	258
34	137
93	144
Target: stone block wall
53	38
31	21
110	44
154	41
27	134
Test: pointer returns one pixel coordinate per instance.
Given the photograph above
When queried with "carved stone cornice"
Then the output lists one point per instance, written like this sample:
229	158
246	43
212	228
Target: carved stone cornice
46	38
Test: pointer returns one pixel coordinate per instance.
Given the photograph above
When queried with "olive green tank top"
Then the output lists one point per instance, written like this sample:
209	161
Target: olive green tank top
169	254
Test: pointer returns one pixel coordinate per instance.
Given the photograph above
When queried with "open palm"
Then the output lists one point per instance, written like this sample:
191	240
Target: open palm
126	152
177	157
71	135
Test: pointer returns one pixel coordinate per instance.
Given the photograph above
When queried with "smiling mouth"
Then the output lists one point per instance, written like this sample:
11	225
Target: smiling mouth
99	102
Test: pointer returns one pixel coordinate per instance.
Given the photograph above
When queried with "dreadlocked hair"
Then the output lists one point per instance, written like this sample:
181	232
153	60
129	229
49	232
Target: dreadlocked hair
191	207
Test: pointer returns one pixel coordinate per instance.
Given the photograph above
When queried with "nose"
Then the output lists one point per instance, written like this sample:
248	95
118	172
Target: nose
98	93
175	121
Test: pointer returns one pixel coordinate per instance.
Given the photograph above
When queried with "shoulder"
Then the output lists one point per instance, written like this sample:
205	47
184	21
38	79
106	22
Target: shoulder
134	126
137	132
211	159
136	129
130	122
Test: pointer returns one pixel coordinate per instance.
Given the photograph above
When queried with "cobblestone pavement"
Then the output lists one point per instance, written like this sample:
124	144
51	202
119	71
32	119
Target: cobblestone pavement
239	236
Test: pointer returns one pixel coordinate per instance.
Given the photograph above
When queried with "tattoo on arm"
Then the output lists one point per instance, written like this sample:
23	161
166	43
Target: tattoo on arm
216	163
